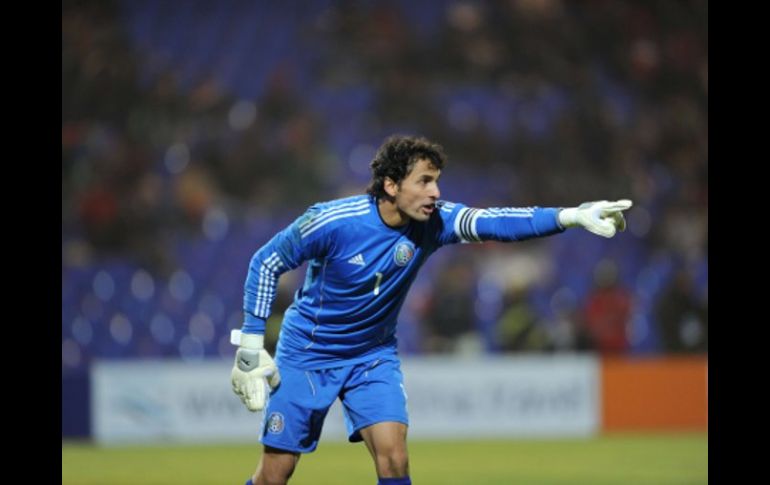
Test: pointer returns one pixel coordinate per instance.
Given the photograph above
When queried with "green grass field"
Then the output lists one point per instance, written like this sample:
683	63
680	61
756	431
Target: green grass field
615	459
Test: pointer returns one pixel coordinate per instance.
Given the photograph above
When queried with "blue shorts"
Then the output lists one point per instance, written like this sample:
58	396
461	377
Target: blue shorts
370	392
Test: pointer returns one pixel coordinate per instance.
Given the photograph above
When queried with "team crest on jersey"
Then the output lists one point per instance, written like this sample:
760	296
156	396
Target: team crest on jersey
403	254
275	423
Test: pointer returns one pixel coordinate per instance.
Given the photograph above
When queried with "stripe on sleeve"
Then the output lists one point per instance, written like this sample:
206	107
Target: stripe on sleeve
338	215
266	285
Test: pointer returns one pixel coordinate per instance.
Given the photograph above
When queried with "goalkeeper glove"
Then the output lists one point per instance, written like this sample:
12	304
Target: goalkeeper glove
253	366
600	217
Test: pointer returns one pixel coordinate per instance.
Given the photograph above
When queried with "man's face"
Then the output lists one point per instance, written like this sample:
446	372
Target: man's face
418	192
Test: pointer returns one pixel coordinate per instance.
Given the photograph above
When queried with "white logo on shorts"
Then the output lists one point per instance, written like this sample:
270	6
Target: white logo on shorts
275	423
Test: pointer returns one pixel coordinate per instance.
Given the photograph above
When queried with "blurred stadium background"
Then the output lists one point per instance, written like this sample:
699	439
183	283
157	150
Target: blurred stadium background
194	130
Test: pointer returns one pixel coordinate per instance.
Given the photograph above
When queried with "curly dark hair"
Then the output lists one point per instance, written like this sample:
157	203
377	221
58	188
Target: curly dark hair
396	157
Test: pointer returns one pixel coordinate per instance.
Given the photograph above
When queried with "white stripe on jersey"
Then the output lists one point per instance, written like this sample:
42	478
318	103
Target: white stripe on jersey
264	278
340	215
262	285
266	285
522	215
465	224
510	210
332	211
273	265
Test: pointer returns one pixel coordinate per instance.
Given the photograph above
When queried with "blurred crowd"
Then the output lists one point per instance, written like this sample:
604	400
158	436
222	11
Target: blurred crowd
169	134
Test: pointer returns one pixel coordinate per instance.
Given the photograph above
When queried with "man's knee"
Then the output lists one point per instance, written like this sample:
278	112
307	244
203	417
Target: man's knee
387	444
274	475
393	462
276	467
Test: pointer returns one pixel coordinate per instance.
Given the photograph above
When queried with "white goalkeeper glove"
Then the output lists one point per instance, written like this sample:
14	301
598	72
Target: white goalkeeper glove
600	217
253	368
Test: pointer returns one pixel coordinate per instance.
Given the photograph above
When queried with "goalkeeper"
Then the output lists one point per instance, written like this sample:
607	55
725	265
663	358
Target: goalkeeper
338	337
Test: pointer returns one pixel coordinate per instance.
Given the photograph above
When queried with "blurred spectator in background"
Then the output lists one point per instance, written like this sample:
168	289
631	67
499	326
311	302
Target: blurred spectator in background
98	211
608	308
682	317
518	328
451	315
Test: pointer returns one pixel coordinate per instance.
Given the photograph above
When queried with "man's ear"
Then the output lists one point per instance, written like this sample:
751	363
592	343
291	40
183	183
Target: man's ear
391	187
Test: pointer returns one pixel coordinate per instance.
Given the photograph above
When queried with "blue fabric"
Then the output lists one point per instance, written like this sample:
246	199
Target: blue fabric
249	482
370	392
508	223
359	272
395	481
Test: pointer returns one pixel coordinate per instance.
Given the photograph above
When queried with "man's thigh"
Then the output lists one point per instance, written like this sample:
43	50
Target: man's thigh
374	393
296	409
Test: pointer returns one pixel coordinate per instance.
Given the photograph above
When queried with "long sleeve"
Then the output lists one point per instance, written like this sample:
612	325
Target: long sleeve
287	250
458	223
506	224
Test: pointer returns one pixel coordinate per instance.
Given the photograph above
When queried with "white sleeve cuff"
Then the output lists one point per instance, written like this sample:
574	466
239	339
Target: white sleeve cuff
249	340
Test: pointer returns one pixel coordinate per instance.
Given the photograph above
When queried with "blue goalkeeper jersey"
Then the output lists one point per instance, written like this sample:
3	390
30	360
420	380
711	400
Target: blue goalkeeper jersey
359	271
